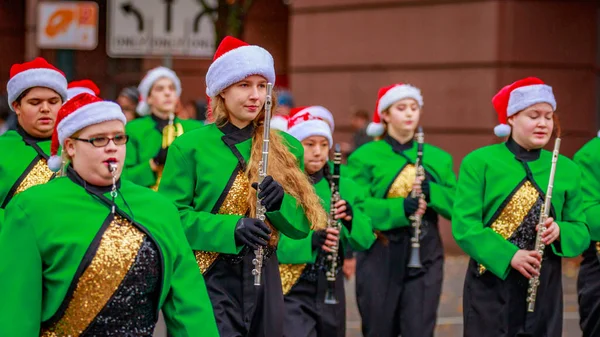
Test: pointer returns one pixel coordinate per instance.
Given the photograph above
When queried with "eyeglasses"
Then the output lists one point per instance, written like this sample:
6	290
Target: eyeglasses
103	141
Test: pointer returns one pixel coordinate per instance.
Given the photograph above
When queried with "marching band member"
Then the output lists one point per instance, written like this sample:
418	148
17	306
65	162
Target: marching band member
152	134
500	193
588	287
75	88
211	176
386	170
128	100
36	91
304	263
89	254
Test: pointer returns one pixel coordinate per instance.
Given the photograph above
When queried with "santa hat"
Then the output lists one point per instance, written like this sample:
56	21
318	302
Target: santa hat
235	60
303	125
148	81
279	122
36	73
317	111
388	96
81	111
79	87
518	96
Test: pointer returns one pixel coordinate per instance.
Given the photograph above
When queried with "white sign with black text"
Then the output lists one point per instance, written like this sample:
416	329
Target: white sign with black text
141	28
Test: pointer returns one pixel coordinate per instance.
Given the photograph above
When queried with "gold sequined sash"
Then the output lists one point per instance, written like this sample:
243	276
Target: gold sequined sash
514	212
38	173
236	202
116	253
402	184
290	274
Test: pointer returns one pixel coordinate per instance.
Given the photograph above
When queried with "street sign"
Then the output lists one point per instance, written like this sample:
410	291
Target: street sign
142	28
67	25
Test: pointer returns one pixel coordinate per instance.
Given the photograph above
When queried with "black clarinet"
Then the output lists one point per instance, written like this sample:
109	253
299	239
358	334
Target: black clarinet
332	257
415	256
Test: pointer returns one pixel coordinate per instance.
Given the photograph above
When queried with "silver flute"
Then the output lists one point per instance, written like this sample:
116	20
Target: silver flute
534	282
415	255
262	174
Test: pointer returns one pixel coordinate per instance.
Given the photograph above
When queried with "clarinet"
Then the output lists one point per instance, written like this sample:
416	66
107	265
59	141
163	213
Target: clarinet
534	282
332	257
416	220
262	174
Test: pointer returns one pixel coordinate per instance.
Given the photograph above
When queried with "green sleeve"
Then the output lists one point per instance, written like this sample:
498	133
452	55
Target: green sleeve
385	214
361	237
290	251
478	241
20	276
135	171
187	309
590	173
290	219
442	192
574	234
204	230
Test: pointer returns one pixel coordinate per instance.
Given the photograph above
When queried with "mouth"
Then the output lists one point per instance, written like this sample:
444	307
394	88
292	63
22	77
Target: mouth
252	108
540	134
45	120
110	161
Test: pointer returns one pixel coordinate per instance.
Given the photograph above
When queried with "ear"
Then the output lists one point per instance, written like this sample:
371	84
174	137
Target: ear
69	147
510	121
385	116
16	107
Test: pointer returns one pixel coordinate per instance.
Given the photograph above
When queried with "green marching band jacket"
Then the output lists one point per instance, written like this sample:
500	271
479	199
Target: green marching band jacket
24	165
204	176
294	255
145	139
588	159
387	179
75	266
496	192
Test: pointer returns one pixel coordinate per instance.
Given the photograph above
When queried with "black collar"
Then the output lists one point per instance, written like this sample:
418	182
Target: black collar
396	145
317	176
521	153
234	135
76	178
160	123
29	138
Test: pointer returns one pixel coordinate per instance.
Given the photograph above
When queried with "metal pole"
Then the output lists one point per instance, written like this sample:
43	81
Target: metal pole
31	48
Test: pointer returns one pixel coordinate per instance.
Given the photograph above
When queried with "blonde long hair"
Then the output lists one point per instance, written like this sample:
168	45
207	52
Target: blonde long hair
283	167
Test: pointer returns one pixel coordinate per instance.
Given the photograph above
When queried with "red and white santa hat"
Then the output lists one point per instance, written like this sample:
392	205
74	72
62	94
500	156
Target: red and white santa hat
279	122
36	73
303	125
82	86
317	111
148	81
79	112
518	96
388	96
235	60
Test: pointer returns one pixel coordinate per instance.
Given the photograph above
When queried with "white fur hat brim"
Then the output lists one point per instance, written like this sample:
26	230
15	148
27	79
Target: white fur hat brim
524	97
148	81
89	114
310	128
398	93
38	77
72	92
237	64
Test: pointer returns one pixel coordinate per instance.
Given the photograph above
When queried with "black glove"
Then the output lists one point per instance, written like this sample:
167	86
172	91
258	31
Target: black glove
348	224
161	156
271	194
410	205
318	239
252	233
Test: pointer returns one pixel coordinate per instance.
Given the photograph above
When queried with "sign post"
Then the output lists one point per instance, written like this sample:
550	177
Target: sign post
160	28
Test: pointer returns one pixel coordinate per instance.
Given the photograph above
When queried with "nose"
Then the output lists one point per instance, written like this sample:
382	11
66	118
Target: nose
45	107
254	93
111	146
